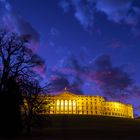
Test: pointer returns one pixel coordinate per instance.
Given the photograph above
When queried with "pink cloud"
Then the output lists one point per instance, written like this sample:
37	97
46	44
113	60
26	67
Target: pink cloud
115	44
34	45
41	70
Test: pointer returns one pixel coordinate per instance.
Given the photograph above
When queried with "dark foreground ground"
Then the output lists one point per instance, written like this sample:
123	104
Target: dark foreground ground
64	127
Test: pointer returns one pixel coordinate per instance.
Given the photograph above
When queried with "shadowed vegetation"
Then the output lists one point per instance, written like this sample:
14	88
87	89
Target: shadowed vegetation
17	63
73	127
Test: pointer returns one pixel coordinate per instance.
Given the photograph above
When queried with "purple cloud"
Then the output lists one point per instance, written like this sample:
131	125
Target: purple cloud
115	43
119	11
112	80
41	70
115	10
65	5
83	11
14	22
100	73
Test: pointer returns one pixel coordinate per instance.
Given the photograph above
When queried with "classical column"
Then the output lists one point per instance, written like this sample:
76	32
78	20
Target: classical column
74	106
70	106
57	106
62	107
66	106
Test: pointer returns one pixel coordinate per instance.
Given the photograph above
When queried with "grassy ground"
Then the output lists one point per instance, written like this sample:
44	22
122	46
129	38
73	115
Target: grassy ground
72	127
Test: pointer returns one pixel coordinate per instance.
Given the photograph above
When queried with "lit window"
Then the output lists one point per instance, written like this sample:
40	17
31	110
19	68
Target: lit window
69	102
61	102
74	103
57	102
66	102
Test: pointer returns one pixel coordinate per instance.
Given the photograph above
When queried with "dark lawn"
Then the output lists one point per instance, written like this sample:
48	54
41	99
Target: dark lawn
72	127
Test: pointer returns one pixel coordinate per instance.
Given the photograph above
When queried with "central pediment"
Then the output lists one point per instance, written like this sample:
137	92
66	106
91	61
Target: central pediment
66	94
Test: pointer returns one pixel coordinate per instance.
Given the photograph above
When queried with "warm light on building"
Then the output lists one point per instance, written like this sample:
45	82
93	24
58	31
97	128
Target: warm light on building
69	103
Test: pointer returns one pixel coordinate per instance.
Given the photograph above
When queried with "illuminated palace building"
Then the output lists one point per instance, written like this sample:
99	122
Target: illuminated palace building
69	103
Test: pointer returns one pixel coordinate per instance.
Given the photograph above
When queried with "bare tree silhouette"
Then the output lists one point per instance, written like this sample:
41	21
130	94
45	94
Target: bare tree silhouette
16	65
35	102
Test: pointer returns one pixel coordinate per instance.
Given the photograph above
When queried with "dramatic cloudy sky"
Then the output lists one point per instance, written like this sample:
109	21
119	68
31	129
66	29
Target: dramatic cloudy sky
90	46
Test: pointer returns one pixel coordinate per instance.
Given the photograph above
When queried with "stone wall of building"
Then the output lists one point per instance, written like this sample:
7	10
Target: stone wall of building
69	103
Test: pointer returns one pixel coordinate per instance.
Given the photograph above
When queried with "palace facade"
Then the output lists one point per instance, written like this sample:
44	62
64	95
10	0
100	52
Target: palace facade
69	103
